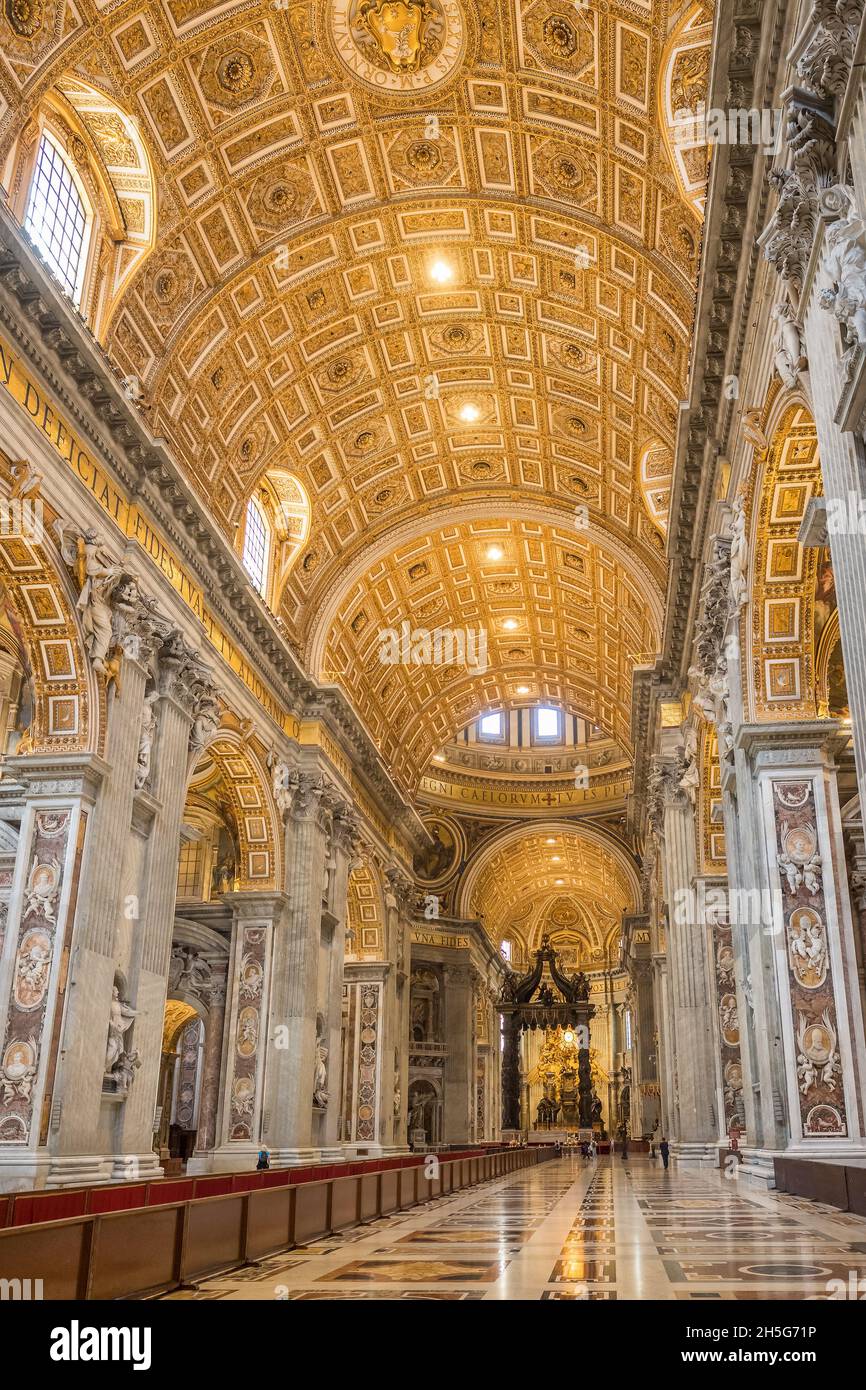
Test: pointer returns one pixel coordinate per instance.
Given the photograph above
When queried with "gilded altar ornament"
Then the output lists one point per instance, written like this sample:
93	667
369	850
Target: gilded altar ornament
398	28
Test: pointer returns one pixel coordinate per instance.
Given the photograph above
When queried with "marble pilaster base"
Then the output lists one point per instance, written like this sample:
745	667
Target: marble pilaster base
135	1167
688	1155
756	1169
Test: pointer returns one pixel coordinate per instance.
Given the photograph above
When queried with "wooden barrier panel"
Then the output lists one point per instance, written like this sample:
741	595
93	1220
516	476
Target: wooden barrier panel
136	1251
312	1212
269	1221
389	1191
369	1204
345	1199
214	1235
56	1252
407	1187
154	1248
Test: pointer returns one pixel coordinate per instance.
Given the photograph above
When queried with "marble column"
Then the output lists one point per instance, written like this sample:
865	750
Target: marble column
290	1081
59	799
82	1134
810	937
252	1044
145	946
214	1047
697	1123
458	1081
399	901
342	846
367	1085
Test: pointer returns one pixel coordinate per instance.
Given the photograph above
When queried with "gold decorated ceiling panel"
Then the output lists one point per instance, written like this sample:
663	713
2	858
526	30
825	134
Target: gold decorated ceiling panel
303	186
557	610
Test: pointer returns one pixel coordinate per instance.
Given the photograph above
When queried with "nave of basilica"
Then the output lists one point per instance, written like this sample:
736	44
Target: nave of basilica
432	648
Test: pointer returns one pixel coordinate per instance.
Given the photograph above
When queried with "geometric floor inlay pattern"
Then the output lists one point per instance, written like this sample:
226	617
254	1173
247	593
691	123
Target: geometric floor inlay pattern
575	1229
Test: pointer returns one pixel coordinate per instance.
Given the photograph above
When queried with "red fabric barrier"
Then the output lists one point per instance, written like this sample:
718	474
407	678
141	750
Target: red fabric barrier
48	1206
26	1208
170	1190
104	1199
218	1185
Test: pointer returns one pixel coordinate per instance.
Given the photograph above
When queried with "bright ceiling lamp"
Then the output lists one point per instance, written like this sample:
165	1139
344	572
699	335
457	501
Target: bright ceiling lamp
469	413
441	272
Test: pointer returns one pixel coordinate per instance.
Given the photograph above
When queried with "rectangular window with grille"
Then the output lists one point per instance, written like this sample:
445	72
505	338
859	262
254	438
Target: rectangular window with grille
56	219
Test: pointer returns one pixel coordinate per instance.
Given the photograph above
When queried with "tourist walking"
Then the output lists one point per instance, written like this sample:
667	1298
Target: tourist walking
665	1151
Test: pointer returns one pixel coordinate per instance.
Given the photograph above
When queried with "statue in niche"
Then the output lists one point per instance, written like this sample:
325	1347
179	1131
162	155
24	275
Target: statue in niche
145	740
117	1060
223	877
417	1114
320	1076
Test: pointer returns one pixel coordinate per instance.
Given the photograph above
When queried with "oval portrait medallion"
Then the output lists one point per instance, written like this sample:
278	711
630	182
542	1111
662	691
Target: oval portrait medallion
398	45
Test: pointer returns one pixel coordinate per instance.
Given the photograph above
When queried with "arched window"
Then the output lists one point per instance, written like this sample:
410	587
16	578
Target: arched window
56	219
256	546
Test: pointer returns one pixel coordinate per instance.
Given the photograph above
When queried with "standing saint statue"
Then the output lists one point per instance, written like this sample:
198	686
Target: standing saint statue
120	1020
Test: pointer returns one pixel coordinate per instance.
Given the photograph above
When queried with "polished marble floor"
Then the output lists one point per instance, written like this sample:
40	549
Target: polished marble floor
573	1229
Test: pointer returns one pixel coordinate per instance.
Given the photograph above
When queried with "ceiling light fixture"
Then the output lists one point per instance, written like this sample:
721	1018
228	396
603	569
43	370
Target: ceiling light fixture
524	690
509	624
469	413
495	552
441	272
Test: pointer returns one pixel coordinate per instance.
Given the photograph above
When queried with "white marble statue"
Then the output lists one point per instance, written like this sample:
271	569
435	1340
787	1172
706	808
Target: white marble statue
739	553
691	773
787	349
97	576
120	1020
145	740
845	267
320	1081
753	431
205	724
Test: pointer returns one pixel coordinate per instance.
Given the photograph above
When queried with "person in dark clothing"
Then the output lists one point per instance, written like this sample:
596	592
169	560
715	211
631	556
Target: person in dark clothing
264	1160
624	1147
665	1151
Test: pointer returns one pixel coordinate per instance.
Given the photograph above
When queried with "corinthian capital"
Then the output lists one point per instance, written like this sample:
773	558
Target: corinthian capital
346	831
402	889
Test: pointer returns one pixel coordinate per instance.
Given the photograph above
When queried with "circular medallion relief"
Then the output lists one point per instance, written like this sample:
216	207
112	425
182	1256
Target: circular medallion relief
398	45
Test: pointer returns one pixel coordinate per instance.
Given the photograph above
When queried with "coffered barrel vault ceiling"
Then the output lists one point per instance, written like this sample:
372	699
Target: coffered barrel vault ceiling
310	162
574	884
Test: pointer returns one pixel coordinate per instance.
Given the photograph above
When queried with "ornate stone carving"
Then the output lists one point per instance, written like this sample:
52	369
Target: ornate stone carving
190	972
788	354
825	63
845	264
